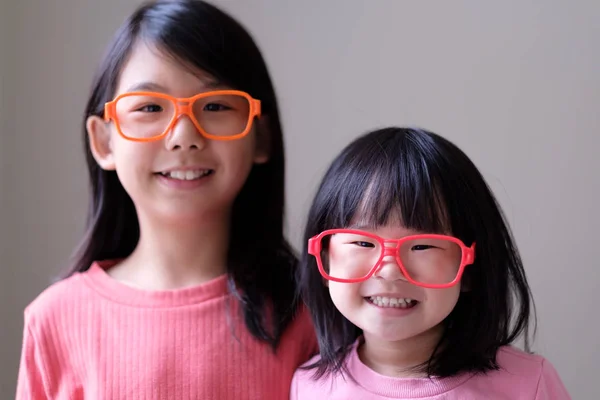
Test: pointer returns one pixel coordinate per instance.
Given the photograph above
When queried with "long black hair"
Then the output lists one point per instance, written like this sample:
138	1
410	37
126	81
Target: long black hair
261	262
434	187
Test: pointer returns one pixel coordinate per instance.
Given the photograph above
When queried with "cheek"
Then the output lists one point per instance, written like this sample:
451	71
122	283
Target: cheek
134	162
241	151
346	298
140	155
236	158
441	302
244	150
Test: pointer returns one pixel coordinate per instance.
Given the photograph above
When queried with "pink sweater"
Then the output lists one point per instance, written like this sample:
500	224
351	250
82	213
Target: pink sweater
522	377
92	337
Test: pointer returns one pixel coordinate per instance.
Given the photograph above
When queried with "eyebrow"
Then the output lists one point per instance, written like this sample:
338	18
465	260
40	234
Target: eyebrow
156	87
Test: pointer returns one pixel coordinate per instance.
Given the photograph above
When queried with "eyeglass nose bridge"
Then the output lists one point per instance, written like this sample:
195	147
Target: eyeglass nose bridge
184	108
391	250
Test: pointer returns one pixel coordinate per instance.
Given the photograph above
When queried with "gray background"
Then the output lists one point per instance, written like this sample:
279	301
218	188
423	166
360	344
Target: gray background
514	83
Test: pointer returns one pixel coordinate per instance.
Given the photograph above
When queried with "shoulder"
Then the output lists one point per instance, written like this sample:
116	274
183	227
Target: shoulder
522	376
55	300
517	362
532	370
51	330
305	385
333	386
514	360
304	370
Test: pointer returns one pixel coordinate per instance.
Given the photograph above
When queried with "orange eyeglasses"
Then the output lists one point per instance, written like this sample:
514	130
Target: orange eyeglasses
149	116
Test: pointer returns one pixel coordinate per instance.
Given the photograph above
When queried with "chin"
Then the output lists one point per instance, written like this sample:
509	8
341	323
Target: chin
401	333
183	216
392	336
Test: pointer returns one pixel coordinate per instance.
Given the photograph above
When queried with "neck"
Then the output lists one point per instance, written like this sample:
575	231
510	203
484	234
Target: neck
176	256
398	359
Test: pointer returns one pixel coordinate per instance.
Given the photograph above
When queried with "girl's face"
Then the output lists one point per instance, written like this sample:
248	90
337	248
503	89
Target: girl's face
183	176
373	305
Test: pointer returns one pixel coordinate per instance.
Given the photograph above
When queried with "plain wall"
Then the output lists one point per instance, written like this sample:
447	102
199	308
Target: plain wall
515	84
9	324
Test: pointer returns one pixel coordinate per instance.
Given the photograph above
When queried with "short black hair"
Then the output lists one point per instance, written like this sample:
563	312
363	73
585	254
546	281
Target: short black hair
261	263
434	187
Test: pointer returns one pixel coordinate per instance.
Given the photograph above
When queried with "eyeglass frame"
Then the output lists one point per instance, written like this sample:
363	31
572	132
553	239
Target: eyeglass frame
467	255
184	106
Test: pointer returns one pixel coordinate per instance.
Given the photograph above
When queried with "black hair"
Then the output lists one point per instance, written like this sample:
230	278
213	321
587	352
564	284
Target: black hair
261	262
433	187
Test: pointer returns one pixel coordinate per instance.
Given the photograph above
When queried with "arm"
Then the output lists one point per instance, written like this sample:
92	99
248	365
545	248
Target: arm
30	384
550	386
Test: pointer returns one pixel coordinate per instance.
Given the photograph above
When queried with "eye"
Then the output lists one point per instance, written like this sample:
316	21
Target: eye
215	107
418	247
150	108
363	244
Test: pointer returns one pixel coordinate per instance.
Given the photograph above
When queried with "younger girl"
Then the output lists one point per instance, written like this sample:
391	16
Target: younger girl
410	273
183	287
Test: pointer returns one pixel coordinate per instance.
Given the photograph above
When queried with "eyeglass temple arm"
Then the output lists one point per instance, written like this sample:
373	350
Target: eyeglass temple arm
470	254
109	111
314	246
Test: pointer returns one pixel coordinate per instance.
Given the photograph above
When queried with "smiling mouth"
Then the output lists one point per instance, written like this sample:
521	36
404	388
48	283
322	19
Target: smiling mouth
187	175
392	302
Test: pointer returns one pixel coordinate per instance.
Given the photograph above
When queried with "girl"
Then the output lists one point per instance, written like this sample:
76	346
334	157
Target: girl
183	287
410	274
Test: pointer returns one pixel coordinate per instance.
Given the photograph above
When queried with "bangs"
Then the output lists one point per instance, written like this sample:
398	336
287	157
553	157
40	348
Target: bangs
392	181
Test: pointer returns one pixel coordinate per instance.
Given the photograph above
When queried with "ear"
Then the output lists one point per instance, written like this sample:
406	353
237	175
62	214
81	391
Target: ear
262	153
100	142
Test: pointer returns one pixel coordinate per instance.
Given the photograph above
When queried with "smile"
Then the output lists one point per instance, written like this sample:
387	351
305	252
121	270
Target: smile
188	175
392	302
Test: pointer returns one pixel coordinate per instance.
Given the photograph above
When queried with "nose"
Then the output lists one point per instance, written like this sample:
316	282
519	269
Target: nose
184	135
389	268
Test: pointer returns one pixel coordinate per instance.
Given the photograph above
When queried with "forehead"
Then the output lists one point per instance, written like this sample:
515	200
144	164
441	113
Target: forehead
150	69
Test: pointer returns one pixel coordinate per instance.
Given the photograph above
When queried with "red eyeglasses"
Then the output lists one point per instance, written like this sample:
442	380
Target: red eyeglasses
430	260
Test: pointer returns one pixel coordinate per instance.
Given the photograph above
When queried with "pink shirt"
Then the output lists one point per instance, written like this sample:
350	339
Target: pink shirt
522	377
91	337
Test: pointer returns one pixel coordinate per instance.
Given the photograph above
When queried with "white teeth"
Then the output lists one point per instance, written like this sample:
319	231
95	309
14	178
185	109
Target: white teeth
394	302
187	175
